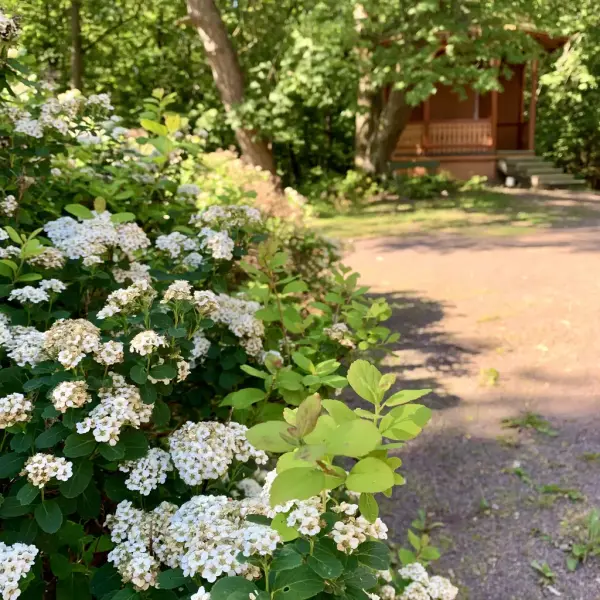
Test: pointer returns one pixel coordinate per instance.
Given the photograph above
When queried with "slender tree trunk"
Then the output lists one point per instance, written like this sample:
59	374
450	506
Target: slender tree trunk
76	46
228	76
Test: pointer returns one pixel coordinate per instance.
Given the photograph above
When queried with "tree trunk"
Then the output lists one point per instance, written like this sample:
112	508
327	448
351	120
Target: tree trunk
227	75
76	46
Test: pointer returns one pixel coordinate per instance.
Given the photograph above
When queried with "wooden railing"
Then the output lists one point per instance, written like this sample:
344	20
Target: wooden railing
446	137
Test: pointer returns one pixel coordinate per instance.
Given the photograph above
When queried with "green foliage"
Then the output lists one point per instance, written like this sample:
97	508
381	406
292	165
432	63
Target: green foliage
587	544
421	550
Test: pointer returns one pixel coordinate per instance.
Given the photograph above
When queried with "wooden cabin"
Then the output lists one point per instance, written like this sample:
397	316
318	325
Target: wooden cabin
467	136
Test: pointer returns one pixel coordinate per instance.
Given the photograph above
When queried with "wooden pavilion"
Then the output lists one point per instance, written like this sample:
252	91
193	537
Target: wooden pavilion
467	136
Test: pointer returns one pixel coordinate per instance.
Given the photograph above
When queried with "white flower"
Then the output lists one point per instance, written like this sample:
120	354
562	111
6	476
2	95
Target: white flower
178	290
414	572
15	560
188	189
55	172
53	285
41	468
9	206
89	139
218	243
24	345
136	297
387	592
70	340
120	405
49	258
148	472
440	588
146	342
109	353
29	294
205	450
201	594
415	591
100	100
70	394
14	408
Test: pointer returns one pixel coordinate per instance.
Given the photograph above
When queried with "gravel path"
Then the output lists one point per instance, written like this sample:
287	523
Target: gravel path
498	328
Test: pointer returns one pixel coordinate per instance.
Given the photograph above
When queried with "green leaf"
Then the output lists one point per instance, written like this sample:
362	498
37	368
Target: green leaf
60	565
255	372
414	539
339	411
28	277
5	271
75	585
303	362
50	437
79	211
406	556
111	453
364	379
231	587
122	217
161	413
79	445
135	443
173	123
163	372
295	287
307	415
286	558
10	264
296	484
323	562
287	533
138	374
375	555
354	438
14	236
172	578
154	127
405	396
327	367
243	398
370	475
49	516
297	584
289	380
267	436
10	464
99	205
21	442
28	493
106	579
368	507
361	578
83	471
127	593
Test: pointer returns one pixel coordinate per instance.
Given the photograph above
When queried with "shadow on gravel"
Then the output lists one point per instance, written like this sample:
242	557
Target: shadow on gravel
424	352
495	521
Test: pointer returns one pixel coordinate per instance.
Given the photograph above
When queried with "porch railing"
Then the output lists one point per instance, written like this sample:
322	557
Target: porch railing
446	137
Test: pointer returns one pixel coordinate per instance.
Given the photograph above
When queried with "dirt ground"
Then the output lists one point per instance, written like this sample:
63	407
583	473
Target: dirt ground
498	328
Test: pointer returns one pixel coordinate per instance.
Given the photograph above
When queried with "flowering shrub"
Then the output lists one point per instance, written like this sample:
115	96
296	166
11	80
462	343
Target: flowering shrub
151	367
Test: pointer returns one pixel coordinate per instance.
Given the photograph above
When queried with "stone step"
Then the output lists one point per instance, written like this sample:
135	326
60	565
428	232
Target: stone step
563	180
546	169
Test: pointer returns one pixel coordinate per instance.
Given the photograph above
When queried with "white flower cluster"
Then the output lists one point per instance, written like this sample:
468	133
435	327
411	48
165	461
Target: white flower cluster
148	472
109	353
89	239
424	587
146	342
52	285
70	394
176	244
202	537
136	533
178	290
69	340
14	408
9	32
339	333
16	561
238	316
48	258
201	347
120	405
136	271
218	243
205	450
188	189
101	101
24	345
8	206
29	295
129	300
41	468
207	533
353	531
227	217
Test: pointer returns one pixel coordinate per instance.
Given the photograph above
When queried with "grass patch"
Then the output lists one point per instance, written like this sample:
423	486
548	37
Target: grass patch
485	213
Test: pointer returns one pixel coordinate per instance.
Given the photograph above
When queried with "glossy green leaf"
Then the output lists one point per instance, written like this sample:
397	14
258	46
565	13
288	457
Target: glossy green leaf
267	436
243	398
354	438
296	484
370	475
364	379
79	445
48	516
